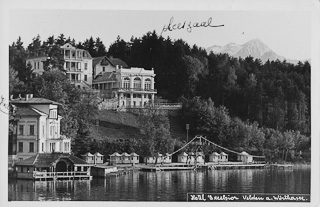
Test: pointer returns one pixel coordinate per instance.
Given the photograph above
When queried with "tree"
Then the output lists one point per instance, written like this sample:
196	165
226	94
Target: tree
15	85
155	125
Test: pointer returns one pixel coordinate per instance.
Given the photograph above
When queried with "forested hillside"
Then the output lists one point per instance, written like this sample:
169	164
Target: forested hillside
225	98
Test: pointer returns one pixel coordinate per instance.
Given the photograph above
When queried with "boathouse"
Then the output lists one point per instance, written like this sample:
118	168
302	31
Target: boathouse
223	157
52	165
245	157
214	157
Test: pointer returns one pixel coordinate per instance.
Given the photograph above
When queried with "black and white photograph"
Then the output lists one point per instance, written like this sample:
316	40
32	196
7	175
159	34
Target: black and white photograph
160	102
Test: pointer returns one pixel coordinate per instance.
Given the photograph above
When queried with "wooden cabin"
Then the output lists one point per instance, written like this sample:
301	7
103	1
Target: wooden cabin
115	158
183	157
245	157
214	157
98	158
126	158
167	158
223	157
88	157
152	160
134	158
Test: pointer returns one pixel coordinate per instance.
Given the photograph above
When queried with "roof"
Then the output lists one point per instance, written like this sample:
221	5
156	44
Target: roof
244	153
113	61
115	154
98	154
215	154
222	153
125	154
33	101
48	159
88	154
183	154
107	76
134	154
27	111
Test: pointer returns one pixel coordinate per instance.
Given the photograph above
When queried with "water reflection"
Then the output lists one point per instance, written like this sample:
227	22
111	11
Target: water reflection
164	186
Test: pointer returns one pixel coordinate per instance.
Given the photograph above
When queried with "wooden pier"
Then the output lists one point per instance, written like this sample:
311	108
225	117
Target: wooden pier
61	176
235	166
282	166
120	173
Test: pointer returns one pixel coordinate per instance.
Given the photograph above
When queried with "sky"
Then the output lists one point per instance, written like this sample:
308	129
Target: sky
287	31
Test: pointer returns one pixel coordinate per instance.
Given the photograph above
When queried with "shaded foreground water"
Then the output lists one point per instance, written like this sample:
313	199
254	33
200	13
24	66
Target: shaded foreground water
165	186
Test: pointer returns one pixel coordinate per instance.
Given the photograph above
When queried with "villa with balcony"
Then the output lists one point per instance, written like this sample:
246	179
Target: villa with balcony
126	87
77	64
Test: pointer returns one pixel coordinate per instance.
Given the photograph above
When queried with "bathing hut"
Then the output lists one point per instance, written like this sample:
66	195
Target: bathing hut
182	157
223	157
214	157
167	158
153	159
134	158
88	157
115	158
98	158
200	157
245	157
126	158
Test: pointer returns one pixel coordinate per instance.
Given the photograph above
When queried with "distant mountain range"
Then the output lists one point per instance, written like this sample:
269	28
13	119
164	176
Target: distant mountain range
254	48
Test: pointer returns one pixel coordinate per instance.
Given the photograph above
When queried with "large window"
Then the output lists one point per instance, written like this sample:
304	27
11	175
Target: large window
31	147
20	129
20	147
31	129
147	84
126	83
137	83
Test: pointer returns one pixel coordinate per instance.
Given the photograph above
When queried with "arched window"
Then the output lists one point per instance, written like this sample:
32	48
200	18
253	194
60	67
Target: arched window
137	83
126	83
147	84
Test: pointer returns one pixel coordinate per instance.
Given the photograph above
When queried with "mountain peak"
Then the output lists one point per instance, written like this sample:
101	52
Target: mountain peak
254	48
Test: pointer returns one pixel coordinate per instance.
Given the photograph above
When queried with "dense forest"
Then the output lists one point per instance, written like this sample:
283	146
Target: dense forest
225	98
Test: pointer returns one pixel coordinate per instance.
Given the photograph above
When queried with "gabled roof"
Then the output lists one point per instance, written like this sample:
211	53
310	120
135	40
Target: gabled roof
243	153
111	60
98	154
107	76
222	153
134	154
115	154
215	154
27	111
88	154
48	159
33	101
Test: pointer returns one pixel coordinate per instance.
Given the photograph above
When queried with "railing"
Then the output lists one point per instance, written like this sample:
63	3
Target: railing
37	174
73	69
136	89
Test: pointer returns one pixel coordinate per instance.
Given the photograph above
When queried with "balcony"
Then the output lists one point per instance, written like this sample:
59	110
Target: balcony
73	69
136	90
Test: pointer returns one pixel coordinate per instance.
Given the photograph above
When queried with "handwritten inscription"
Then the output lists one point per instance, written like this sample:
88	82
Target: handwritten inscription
248	197
4	107
188	25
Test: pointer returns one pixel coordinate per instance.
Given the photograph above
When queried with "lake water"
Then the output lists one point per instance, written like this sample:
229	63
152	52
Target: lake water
165	186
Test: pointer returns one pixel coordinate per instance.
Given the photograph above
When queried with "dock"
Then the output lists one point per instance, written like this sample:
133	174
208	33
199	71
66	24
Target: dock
61	176
166	167
120	173
282	166
235	166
